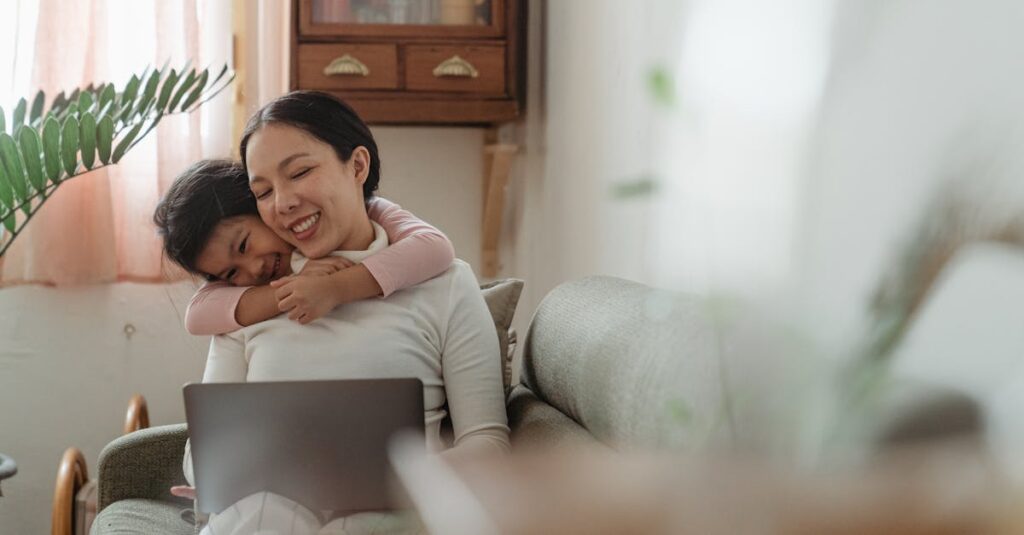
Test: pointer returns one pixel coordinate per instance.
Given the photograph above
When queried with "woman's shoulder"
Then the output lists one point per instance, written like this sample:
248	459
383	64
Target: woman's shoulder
458	275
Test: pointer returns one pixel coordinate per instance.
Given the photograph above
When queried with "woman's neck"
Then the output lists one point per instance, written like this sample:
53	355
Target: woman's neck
360	238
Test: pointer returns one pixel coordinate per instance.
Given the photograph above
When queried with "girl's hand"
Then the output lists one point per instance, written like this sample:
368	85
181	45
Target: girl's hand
183	491
305	297
325	266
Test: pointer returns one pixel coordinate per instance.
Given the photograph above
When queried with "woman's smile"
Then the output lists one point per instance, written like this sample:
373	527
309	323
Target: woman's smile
306	227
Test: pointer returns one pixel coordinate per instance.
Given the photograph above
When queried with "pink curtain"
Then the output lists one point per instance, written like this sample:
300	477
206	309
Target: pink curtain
97	228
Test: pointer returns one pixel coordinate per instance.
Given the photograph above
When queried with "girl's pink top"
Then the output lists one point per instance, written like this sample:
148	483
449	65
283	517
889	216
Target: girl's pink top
417	252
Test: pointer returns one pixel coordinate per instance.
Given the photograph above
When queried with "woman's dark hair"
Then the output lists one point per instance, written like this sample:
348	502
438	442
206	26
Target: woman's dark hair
324	117
202	196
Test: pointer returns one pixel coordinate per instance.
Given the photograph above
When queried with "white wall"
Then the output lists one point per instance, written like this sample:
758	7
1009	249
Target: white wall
67	369
579	137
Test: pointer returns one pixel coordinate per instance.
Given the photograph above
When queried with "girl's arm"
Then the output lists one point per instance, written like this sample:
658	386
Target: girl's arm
220	308
418	251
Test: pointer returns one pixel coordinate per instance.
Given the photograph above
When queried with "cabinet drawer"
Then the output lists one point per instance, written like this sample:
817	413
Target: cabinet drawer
348	66
463	69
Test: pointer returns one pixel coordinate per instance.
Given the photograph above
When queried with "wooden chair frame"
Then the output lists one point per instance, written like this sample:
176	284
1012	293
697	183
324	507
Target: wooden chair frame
73	474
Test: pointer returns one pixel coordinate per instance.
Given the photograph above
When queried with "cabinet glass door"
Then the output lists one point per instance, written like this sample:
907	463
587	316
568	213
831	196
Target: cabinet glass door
402	17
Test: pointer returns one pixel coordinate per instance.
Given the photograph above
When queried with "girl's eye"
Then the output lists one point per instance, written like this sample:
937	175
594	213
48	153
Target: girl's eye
231	274
263	195
302	173
241	246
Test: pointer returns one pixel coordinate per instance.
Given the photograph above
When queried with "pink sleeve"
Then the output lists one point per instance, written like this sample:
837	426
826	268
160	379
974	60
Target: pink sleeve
212	309
418	251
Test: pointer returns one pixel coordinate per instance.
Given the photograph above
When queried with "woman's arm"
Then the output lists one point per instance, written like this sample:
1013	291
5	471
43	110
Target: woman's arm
418	251
471	368
225	363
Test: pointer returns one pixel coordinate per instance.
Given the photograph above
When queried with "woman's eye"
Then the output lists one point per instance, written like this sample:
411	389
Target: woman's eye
241	246
231	274
263	195
302	173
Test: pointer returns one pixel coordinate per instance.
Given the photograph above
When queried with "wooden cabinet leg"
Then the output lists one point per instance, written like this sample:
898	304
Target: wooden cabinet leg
499	162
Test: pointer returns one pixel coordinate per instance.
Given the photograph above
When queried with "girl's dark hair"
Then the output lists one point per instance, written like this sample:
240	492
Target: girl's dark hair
202	196
324	117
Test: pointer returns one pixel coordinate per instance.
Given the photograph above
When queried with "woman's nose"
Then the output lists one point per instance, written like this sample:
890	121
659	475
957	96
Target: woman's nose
285	201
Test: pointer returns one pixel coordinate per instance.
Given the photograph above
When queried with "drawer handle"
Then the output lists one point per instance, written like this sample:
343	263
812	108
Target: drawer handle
346	66
455	67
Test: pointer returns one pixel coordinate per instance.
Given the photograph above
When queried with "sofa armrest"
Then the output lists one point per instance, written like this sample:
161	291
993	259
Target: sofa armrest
144	464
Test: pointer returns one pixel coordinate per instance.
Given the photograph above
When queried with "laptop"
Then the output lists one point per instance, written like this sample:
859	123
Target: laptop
322	444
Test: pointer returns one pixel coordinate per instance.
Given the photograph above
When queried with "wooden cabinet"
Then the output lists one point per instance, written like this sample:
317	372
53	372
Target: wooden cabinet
414	61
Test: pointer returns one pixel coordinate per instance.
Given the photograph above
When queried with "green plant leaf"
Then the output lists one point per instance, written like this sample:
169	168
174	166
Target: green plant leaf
126	141
18	118
661	86
85	102
69	145
73	97
15	170
6	192
32	155
197	91
59	103
51	149
10	223
128	97
642	186
72	110
88	139
3	120
149	93
165	91
189	80
37	108
223	71
104	138
107	96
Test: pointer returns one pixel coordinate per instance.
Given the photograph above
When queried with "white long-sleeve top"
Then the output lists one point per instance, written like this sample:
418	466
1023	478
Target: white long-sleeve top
439	331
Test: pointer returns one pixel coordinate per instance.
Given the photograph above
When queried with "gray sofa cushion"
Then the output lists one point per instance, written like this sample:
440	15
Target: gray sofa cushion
535	424
636	367
141	517
502	297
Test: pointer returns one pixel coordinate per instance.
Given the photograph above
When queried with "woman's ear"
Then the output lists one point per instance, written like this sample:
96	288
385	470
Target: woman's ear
361	163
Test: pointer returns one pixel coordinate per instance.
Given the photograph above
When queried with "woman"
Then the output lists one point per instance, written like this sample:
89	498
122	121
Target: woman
311	164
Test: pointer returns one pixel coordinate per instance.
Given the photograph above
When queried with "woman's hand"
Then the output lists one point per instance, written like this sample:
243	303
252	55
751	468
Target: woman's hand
325	266
183	491
305	297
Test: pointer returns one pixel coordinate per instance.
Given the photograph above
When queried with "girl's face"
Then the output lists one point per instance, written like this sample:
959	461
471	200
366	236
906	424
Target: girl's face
304	192
244	252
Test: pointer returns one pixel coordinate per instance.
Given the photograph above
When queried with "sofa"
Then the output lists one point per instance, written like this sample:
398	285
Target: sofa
607	363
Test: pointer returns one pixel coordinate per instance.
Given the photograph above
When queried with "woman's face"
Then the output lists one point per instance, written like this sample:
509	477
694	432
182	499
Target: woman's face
304	192
243	251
